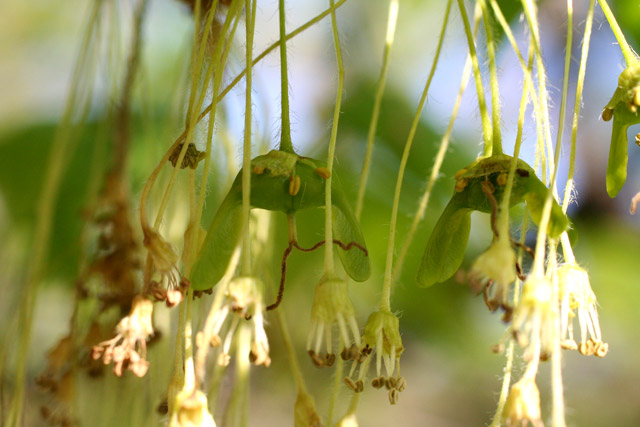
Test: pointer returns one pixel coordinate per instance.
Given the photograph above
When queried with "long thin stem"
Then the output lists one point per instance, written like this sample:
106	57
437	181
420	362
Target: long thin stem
289	348
496	136
566	244
629	55
385	299
542	108
510	352
435	172
543	114
506	381
256	60
586	40
285	131
503	226
487	130
220	58
364	176
557	387
335	389
328	232
250	14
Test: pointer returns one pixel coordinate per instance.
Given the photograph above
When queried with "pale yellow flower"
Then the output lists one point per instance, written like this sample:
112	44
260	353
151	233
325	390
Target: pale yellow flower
243	303
332	307
191	410
523	404
494	271
382	336
533	316
577	300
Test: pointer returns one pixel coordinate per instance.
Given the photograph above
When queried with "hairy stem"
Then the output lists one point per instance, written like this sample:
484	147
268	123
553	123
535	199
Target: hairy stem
487	130
250	14
629	55
385	299
496	136
285	130
586	40
437	164
364	176
328	232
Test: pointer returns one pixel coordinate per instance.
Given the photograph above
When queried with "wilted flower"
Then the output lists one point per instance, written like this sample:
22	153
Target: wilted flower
164	258
332	306
494	271
382	335
578	300
128	349
523	404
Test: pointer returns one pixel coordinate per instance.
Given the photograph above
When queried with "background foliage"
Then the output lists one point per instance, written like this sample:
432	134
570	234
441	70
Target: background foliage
453	378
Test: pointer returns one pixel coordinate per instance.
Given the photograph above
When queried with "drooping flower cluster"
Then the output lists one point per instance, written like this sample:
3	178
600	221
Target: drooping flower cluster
578	302
494	273
382	336
243	302
332	306
128	349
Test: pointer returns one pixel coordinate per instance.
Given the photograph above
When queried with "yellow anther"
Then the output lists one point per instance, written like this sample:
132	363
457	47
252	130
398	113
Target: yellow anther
323	172
461	185
460	173
352	385
636	96
294	185
601	349
502	179
607	114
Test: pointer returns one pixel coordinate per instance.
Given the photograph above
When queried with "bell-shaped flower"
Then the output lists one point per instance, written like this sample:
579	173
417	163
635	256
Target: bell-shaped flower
495	271
523	404
191	410
382	336
577	301
243	302
332	306
532	325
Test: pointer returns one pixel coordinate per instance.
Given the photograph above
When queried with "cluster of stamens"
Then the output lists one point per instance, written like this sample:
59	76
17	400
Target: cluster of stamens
128	349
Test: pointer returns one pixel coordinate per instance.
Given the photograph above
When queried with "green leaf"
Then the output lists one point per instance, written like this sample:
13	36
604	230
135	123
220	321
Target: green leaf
445	251
558	221
222	237
347	229
618	157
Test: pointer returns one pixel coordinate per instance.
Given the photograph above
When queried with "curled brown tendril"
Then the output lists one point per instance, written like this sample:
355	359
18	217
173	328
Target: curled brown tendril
289	249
